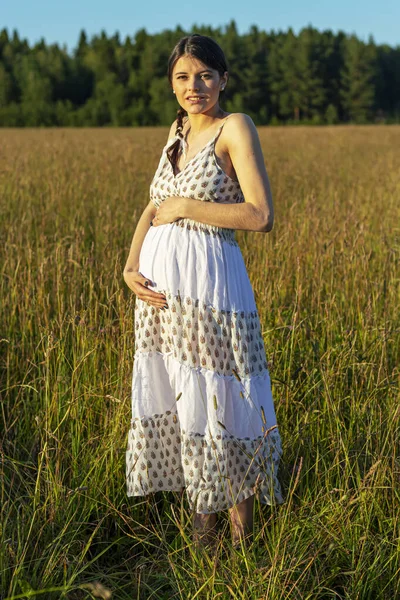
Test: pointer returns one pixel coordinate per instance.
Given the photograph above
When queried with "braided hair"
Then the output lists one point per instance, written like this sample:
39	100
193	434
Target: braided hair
206	50
173	150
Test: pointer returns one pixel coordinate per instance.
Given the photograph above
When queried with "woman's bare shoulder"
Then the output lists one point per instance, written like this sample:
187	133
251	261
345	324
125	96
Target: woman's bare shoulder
239	123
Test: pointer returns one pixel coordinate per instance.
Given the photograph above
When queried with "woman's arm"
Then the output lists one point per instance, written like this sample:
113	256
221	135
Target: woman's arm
142	227
133	278
239	139
244	215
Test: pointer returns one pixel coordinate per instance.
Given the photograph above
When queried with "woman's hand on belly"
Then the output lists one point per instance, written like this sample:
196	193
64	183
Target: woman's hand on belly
140	286
171	209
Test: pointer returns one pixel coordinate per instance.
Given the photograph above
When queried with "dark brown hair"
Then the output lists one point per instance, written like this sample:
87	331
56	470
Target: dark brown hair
206	50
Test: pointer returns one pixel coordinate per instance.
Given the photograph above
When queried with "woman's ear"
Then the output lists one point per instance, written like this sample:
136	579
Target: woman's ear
224	80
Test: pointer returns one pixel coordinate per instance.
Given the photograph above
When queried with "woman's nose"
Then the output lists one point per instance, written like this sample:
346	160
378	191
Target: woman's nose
193	85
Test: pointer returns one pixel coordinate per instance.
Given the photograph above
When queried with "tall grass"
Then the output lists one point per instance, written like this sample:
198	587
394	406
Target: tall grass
326	281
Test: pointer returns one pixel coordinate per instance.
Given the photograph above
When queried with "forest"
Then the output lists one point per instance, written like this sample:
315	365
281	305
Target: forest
315	77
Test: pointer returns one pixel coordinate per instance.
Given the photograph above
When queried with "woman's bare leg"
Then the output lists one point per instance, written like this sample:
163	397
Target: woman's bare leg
242	520
204	529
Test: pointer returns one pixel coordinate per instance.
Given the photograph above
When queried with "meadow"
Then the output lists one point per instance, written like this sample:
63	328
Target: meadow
326	282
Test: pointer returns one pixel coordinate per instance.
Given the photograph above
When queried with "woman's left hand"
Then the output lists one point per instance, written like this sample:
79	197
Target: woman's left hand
171	209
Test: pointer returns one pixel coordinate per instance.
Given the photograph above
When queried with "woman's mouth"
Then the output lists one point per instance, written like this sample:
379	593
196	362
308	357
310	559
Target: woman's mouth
195	99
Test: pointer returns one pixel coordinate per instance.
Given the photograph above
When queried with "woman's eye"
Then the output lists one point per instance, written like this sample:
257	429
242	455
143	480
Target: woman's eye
205	76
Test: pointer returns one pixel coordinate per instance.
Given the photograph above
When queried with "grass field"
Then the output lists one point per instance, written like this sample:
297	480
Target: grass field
326	281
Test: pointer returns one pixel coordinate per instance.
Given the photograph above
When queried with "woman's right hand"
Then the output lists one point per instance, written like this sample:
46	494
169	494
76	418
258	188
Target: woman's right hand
139	286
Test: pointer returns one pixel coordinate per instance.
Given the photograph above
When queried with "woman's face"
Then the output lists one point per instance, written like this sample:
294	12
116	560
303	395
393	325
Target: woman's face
196	85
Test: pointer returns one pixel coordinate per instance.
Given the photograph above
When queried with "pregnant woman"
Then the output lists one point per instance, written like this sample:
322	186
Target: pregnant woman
203	415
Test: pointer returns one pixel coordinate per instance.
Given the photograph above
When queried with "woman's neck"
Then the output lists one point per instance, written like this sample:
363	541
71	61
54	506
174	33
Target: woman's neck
197	124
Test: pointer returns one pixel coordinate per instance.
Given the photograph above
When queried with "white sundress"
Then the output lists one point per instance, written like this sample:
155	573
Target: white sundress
203	415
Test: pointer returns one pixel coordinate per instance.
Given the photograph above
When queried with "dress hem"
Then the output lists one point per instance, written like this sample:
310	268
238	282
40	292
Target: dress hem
217	470
278	500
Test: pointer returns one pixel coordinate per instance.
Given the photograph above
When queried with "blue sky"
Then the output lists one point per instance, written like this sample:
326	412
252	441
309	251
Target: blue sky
61	22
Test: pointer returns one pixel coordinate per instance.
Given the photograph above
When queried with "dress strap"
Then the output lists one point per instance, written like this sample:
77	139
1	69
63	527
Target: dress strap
223	123
214	139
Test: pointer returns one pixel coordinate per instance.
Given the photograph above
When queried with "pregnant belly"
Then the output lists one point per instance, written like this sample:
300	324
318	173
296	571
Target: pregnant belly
192	264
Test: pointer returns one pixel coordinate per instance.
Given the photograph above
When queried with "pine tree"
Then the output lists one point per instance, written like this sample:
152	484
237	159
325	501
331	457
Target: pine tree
357	89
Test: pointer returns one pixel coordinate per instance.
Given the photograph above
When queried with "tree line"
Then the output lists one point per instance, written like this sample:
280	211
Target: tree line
277	77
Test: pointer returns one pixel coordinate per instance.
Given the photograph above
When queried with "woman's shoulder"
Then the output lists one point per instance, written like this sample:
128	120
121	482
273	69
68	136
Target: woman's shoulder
239	122
239	129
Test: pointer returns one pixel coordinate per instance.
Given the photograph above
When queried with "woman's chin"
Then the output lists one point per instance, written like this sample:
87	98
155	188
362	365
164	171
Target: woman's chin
196	108
199	109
